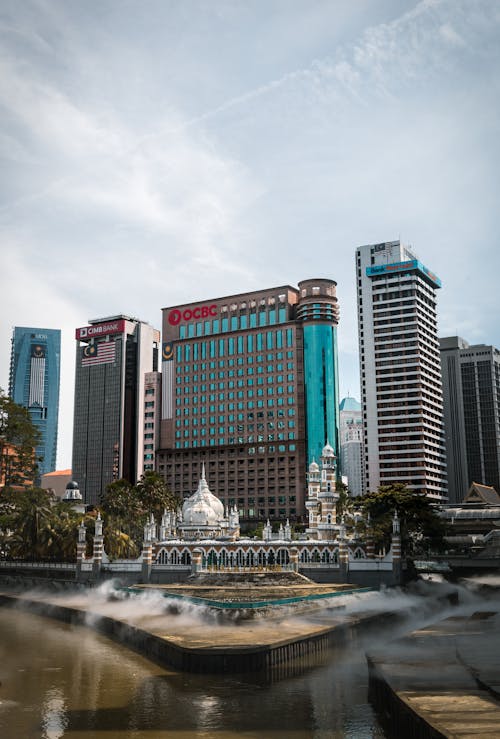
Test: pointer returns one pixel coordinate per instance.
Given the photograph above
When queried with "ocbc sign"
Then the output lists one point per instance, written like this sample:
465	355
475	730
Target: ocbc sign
176	316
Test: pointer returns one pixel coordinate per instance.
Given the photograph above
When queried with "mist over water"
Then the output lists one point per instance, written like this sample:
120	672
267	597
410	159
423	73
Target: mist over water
59	680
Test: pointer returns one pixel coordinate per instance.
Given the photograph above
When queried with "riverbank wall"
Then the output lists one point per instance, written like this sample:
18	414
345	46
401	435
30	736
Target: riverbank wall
228	657
441	681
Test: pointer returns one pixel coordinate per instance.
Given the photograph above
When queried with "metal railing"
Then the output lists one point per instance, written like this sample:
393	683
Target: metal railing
37	565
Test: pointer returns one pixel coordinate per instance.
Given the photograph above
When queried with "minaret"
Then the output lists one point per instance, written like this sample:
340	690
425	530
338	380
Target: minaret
396	548
327	496
312	502
80	549
98	546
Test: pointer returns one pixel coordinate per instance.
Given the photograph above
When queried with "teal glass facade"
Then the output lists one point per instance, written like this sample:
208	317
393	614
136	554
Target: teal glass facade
321	388
34	384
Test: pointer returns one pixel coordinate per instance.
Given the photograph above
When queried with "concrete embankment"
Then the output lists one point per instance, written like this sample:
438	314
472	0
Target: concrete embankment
203	645
442	680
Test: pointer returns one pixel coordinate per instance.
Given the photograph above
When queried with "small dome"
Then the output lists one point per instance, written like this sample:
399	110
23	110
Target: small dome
314	467
327	451
72	492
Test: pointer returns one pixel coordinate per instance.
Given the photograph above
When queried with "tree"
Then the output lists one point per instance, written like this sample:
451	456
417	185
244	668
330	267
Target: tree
126	508
25	519
120	500
344	504
18	439
421	528
122	515
153	494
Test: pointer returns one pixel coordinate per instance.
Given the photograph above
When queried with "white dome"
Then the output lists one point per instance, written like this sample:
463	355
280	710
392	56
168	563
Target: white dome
314	467
202	508
327	451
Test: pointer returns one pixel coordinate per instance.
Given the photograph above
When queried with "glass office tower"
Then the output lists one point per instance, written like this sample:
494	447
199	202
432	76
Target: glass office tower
471	390
115	403
249	388
34	383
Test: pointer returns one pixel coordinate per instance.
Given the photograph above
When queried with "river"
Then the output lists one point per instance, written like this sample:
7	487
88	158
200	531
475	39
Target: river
59	680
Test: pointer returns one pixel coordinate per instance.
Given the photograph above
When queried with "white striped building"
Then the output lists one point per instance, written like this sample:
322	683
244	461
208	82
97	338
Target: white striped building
400	370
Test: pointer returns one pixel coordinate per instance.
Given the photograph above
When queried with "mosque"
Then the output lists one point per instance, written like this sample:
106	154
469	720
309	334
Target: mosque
202	535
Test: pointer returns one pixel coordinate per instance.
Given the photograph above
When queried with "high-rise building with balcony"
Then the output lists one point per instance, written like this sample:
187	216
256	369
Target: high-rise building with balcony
35	368
116	403
471	389
400	370
250	389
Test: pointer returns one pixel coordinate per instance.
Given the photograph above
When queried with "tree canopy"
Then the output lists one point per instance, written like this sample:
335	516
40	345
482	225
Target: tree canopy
126	508
421	528
18	439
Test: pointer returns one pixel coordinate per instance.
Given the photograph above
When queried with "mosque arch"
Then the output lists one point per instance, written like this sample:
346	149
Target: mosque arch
261	557
162	557
282	557
211	558
315	556
175	557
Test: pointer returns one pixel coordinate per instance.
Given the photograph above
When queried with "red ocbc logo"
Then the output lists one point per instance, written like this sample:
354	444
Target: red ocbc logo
176	316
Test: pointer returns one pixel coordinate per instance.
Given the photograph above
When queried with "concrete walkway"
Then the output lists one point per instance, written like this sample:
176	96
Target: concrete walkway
442	680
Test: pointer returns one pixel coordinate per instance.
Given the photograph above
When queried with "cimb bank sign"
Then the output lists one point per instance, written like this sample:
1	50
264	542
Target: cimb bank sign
100	329
177	316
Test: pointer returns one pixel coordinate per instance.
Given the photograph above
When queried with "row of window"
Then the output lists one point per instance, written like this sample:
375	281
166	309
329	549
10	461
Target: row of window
222	441
232	345
241	405
254	319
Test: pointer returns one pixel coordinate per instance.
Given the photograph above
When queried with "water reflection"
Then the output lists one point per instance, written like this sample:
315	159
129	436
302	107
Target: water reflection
64	681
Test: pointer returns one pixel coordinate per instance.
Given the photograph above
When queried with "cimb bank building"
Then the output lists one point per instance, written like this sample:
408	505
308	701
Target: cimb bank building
250	390
115	417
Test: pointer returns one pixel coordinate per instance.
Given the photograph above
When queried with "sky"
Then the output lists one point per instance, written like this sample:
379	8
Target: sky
157	152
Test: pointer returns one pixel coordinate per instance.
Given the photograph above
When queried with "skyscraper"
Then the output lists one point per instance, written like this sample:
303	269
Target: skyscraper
471	390
34	383
351	444
400	370
250	389
114	417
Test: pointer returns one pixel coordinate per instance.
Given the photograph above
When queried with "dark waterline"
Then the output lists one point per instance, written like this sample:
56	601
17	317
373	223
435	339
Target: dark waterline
67	681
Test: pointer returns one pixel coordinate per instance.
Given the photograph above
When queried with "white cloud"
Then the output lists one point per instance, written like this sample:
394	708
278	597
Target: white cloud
150	159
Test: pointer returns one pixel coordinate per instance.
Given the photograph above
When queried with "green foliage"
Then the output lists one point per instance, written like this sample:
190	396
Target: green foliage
126	508
421	528
153	495
17	431
344	505
34	526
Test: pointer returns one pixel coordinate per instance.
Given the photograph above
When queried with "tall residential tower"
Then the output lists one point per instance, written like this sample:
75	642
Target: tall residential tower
250	389
400	370
471	388
34	383
115	402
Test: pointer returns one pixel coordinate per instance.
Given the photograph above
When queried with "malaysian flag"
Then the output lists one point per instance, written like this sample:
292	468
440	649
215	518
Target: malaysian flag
101	353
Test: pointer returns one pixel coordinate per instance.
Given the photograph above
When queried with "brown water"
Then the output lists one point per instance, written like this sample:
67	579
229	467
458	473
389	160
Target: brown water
67	681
